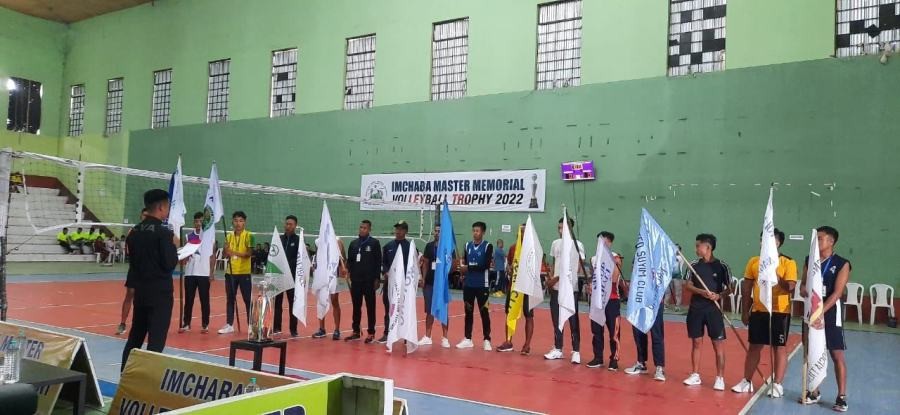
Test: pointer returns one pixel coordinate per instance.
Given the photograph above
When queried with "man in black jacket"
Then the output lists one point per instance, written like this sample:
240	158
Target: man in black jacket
153	258
291	243
364	262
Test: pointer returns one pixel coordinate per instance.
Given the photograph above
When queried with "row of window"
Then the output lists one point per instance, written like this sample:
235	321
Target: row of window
696	44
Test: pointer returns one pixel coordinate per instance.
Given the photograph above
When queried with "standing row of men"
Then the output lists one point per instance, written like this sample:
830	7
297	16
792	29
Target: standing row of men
152	248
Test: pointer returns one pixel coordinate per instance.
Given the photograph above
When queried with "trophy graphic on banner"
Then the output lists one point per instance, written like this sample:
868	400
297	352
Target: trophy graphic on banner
534	186
259	329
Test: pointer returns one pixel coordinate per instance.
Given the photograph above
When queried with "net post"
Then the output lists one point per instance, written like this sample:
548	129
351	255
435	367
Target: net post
5	170
79	196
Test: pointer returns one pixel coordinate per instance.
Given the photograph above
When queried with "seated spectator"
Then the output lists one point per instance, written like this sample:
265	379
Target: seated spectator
77	241
63	239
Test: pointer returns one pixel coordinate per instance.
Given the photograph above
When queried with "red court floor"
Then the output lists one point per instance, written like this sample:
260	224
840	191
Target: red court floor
506	379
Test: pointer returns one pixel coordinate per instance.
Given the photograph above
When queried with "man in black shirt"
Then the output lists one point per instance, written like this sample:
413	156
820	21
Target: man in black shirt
715	275
364	263
428	267
153	259
291	243
389	251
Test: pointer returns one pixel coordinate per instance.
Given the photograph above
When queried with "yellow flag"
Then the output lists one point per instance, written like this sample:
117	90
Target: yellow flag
516	299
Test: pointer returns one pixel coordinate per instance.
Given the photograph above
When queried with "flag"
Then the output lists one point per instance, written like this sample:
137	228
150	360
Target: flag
568	271
176	200
404	283
328	258
768	257
443	264
301	282
516	300
655	258
816	355
278	269
212	213
601	286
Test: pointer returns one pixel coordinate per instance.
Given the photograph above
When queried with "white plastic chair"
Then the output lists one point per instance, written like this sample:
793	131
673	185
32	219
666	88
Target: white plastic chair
854	298
881	295
737	294
220	259
797	298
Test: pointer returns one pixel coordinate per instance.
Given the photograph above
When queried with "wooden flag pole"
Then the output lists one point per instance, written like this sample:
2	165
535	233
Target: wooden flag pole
728	320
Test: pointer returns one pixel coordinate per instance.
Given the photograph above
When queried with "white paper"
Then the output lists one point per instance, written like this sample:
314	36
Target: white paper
187	250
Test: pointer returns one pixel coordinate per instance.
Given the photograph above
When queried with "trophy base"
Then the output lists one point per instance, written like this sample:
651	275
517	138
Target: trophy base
261	341
533	204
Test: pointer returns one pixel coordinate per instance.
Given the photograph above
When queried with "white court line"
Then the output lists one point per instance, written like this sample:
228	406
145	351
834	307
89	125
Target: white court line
185	351
759	392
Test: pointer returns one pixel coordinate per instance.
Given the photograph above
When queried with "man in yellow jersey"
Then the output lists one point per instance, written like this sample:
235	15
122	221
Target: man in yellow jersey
757	319
63	239
239	250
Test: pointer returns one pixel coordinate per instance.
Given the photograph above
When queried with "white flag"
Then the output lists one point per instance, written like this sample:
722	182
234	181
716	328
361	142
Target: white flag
768	257
212	213
404	283
528	279
176	201
816	355
328	258
278	269
301	282
568	271
601	286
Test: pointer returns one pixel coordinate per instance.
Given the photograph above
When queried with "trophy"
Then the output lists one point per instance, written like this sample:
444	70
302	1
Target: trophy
534	203
259	329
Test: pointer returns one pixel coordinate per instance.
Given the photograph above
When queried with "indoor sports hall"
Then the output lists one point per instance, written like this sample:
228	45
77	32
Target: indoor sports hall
357	207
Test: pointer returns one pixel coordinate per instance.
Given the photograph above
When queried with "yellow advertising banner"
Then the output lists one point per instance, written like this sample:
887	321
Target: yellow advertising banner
153	382
46	347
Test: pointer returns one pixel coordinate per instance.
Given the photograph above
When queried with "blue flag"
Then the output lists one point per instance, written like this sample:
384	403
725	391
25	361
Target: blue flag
655	258
443	264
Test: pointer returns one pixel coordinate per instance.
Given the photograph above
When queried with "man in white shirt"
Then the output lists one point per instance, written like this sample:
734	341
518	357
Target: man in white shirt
556	250
198	274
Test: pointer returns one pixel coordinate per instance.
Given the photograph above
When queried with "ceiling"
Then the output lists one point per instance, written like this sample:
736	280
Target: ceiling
68	11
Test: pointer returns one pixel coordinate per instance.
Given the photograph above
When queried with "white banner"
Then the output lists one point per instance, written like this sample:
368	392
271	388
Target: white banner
480	191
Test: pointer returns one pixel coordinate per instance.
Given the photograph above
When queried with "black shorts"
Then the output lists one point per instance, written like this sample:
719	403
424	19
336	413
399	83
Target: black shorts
758	330
834	334
709	317
427	294
526	311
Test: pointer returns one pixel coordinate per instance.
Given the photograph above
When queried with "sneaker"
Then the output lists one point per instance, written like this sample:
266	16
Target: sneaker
597	362
183	329
120	329
352	337
319	334
293	334
276	333
526	351
637	369
425	341
336	335
505	347
204	329
720	383
744	387
576	358
370	338
487	346
613	365
811	398
660	374
554	354
226	329
445	343
382	339
840	404
465	344
693	380
777	391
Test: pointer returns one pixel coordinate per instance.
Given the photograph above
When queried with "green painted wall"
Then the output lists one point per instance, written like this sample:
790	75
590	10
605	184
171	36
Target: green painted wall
33	49
622	41
698	152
